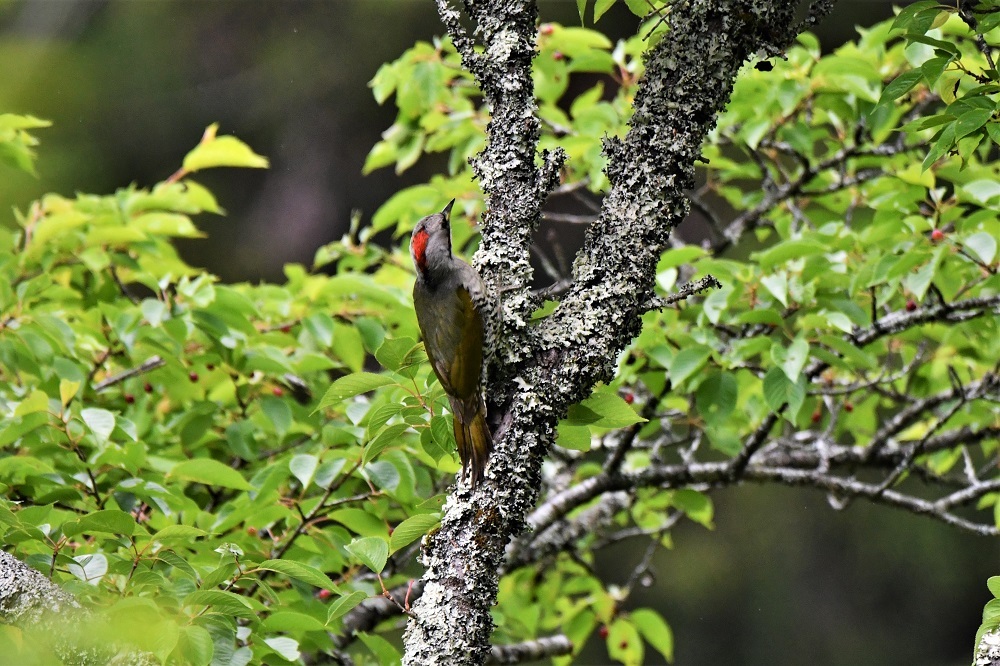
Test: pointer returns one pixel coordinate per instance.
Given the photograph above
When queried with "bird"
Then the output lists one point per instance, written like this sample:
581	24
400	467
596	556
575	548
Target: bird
452	306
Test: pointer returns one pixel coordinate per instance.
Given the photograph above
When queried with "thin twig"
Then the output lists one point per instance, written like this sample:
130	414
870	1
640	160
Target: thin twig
152	363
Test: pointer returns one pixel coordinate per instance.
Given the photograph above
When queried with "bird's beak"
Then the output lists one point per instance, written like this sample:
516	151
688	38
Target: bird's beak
447	210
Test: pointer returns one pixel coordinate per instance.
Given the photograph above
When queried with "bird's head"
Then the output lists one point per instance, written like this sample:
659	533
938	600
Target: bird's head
430	245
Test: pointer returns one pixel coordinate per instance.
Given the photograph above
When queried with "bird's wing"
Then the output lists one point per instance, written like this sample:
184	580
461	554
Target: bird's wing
453	339
487	305
466	366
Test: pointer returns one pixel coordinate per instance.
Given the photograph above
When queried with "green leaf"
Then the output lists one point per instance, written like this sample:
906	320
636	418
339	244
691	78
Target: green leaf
109	521
396	353
993	583
344	604
412	529
287	648
67	390
166	224
11	121
933	68
600	7
904	19
89	568
221	151
655	630
791	249
603	409
945	142
300	571
407	206
372	551
991	612
442	438
920	281
360	521
303	467
777	284
776	385
290	621
38	401
278	413
686	363
211	473
971	121
793	358
383	650
640	8
101	422
581	7
938	44
321	327
381	155
352	385
388	435
697	506
575	437
220	601
182	532
716	396
679	256
624	643
194	647
983	246
901	85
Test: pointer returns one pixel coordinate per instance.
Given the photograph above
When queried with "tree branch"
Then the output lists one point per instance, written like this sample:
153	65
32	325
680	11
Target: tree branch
536	650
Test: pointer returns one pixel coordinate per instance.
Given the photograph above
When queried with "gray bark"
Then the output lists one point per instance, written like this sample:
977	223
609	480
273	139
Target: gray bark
45	611
540	370
26	596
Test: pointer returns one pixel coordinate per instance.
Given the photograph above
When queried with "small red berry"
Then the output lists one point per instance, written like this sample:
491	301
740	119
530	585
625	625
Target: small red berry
129	398
911	305
324	594
848	407
816	416
193	376
252	531
558	55
147	387
277	391
629	397
286	328
937	235
546	29
603	632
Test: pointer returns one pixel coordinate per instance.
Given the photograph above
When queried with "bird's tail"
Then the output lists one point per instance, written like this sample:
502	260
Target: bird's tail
472	434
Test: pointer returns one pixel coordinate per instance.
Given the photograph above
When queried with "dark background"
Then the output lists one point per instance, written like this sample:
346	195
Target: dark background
131	85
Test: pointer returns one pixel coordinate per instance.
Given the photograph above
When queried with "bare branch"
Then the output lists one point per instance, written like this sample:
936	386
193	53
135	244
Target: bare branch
535	650
569	218
369	613
684	292
152	363
452	21
990	384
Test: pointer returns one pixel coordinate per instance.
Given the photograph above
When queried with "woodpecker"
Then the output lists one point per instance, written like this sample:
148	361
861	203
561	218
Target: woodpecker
451	300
